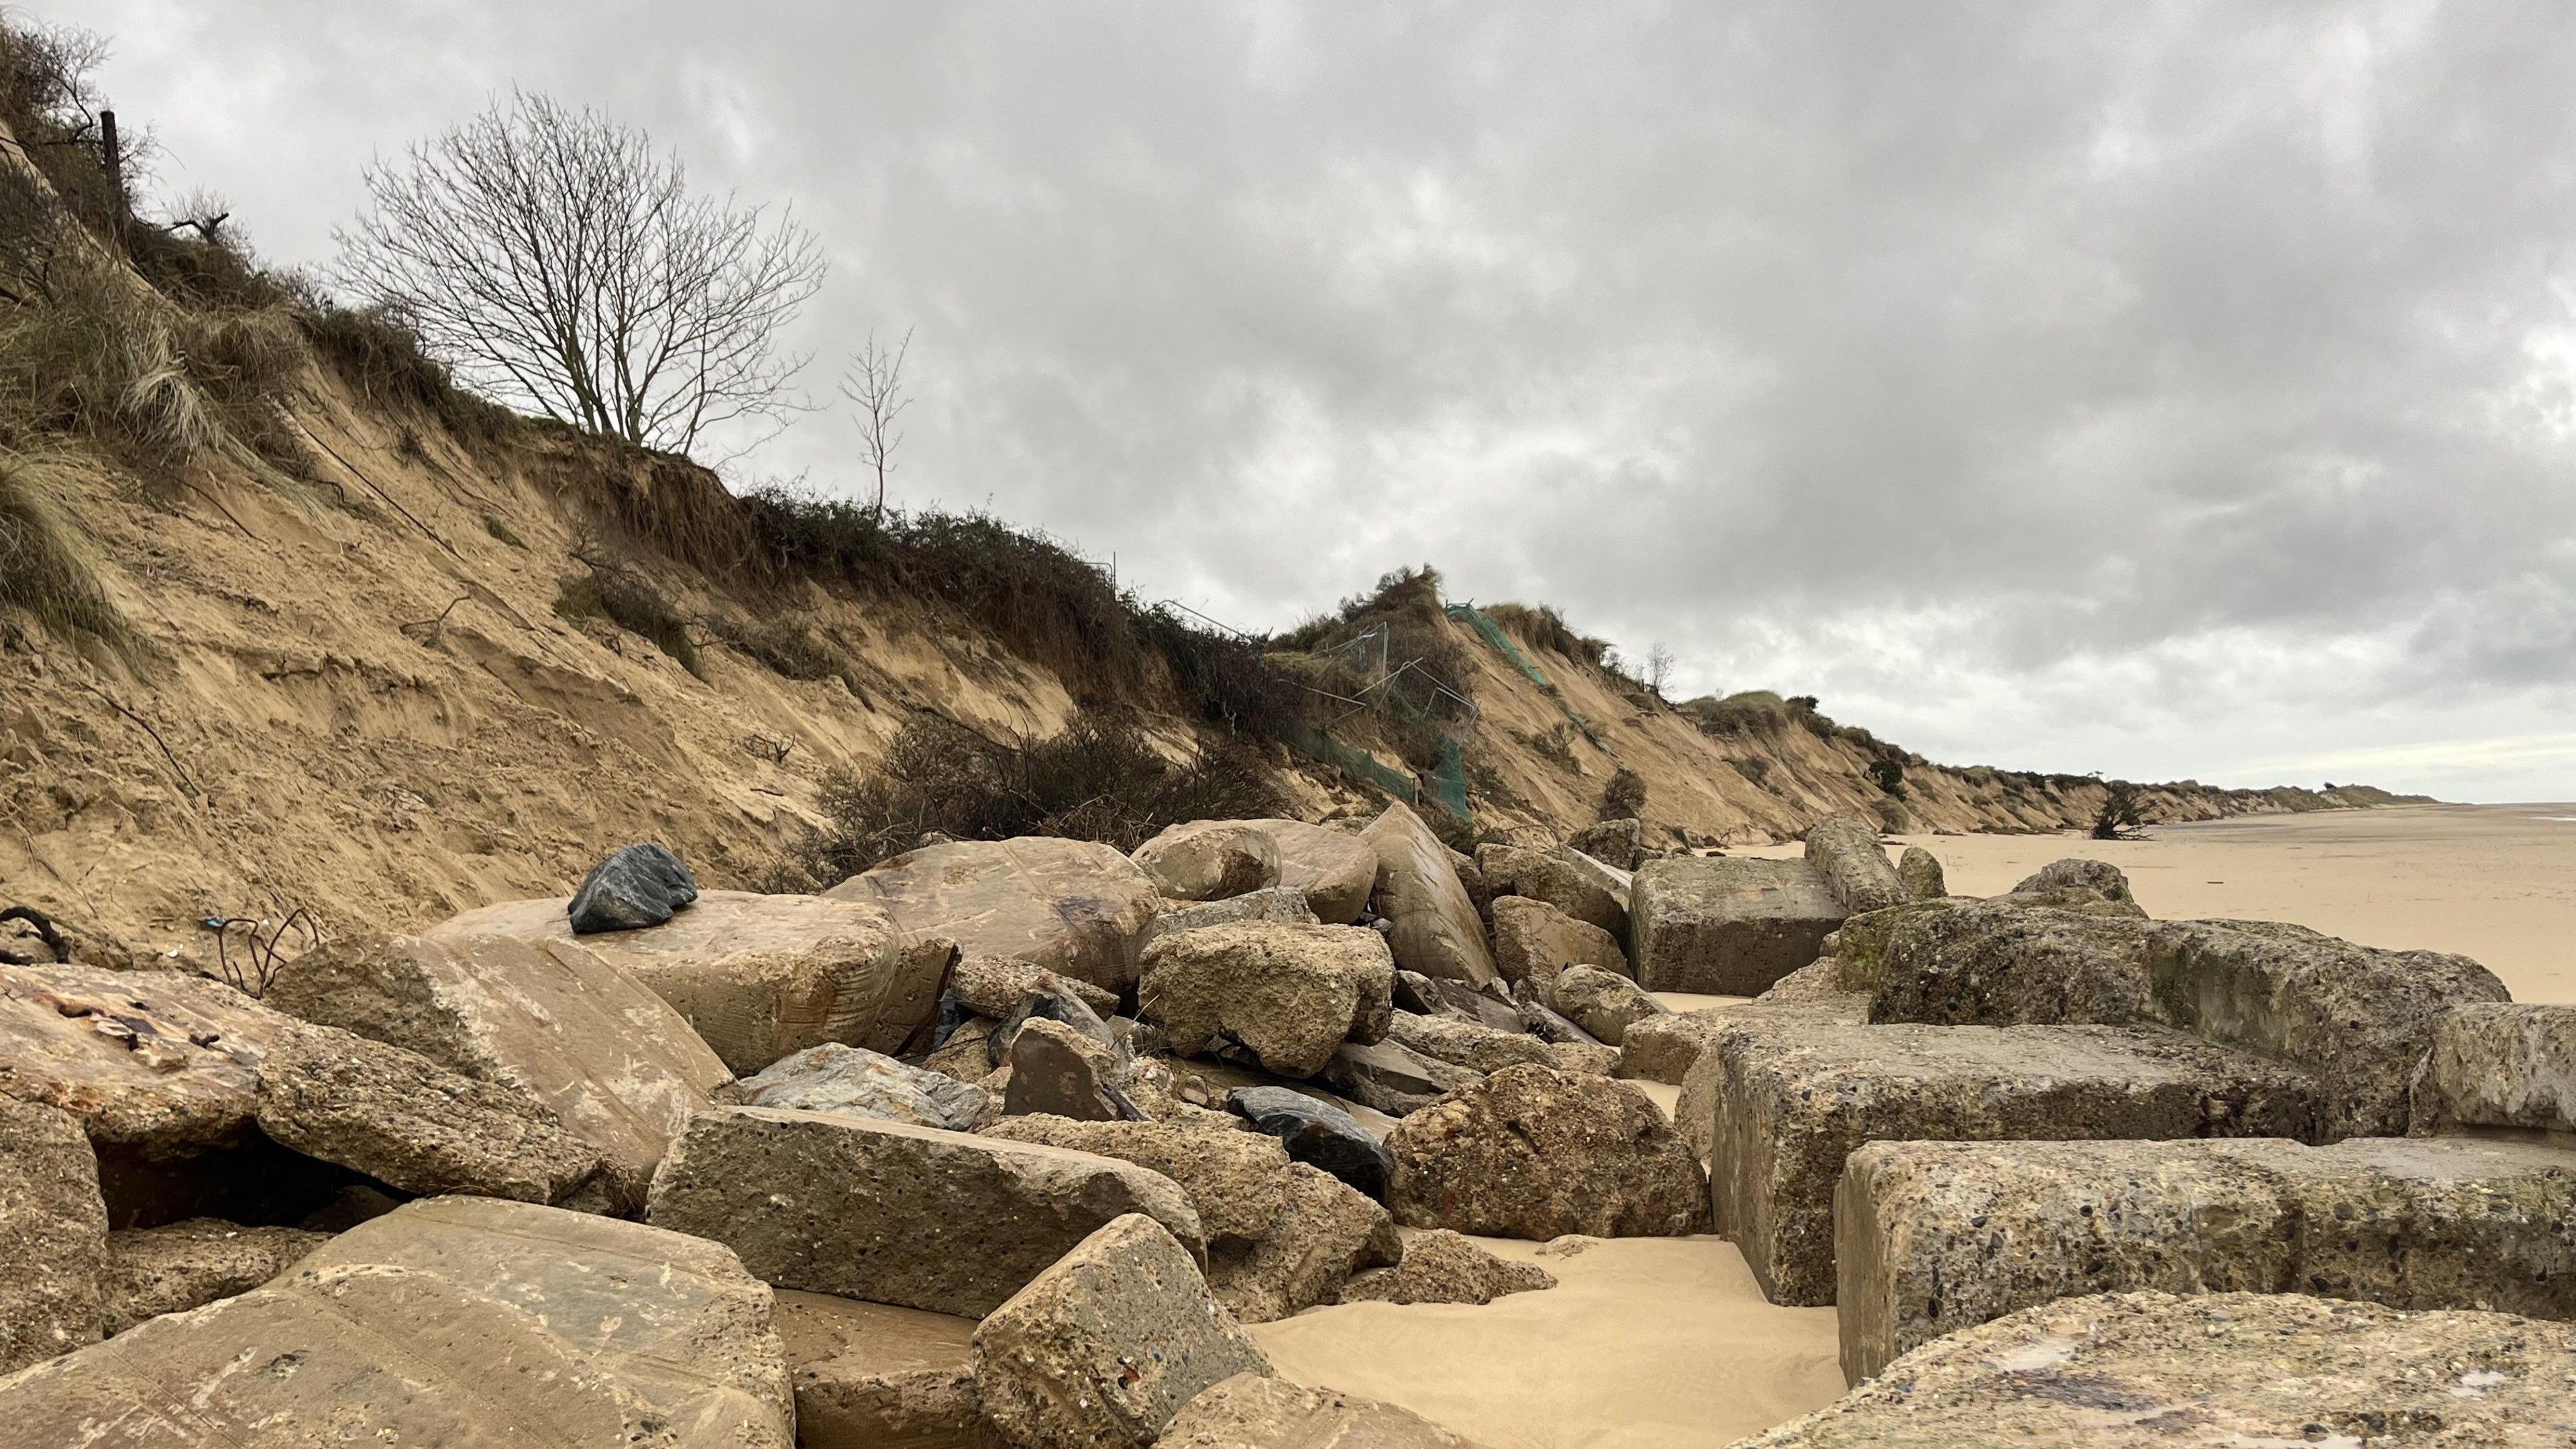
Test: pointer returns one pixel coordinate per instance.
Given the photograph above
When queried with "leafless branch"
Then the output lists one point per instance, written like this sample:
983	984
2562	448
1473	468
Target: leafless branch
264	944
558	261
874	384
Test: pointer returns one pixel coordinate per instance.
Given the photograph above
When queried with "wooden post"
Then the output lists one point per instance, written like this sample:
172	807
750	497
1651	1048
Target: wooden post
114	157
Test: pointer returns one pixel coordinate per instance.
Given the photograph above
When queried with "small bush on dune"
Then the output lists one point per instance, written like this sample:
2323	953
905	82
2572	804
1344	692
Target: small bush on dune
620	595
788	647
1624	798
1100	779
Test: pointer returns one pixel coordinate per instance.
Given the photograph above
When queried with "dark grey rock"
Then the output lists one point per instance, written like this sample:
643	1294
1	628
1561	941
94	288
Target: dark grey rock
1318	1134
642	885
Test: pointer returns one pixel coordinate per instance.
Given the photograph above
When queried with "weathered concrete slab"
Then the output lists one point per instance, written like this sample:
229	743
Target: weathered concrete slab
1792	1100
53	1235
2354	1018
154	1060
949	1222
1534	1152
1437	931
873	1376
2154	1371
1075	907
620	1067
412	1124
1726	926
1534	940
756	976
1846	854
448	1321
2500	1067
1254	1411
1933	1237
1106	1345
171	1269
1288	994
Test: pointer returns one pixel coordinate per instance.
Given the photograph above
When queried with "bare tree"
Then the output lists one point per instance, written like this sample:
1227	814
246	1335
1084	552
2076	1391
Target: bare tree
556	260
874	385
1659	668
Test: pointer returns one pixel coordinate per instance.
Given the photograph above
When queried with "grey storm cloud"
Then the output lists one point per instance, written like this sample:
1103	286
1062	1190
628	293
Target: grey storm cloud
2163	389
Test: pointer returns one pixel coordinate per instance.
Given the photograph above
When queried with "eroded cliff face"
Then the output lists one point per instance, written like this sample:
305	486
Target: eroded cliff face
359	695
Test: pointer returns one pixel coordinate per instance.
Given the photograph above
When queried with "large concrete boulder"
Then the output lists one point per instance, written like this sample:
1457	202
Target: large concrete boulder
756	976
2152	1370
1441	1266
411	1124
2499	1065
994	985
1533	1152
854	1080
1792	1099
1534	940
1285	905
1596	897
1075	907
620	1067
1695	1109
1600	1003
1319	1134
1436	929
1236	1180
1846	854
2001	962
53	1235
184	1265
2356	1019
1105	1346
943	1221
153	1061
1392	1078
448	1321
1325	1232
1919	871
1934	1237
2098	878
1254	1411
1334	869
1727	926
1056	1069
1664	1048
1287	994
874	1376
1210	860
1469	1044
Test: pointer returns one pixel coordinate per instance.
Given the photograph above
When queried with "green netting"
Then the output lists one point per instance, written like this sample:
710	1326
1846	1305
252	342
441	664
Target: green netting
1449	782
1447	785
1503	645
1471	615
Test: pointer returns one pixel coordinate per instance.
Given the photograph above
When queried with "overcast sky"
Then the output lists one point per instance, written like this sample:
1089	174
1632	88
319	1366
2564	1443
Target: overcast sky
2169	391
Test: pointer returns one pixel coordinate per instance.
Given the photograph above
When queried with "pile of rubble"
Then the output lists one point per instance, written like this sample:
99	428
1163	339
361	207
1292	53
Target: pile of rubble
1004	1143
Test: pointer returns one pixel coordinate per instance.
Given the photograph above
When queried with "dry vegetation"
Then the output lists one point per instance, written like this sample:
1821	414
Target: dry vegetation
1100	779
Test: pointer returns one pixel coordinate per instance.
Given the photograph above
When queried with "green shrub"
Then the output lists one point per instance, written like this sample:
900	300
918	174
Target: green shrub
1624	798
787	646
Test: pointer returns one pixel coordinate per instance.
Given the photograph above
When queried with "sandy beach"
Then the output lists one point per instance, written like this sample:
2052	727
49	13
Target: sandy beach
1667	1343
